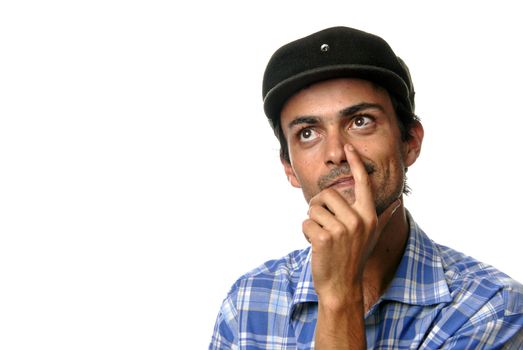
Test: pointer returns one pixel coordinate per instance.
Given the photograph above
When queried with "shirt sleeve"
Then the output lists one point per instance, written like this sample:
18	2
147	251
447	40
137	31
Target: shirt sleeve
225	335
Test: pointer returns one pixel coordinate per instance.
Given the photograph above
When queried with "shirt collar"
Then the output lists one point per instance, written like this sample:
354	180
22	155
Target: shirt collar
304	288
419	279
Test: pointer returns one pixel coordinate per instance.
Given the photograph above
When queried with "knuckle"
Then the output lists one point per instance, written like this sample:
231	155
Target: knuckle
313	210
316	199
338	229
324	239
306	225
355	225
329	193
325	195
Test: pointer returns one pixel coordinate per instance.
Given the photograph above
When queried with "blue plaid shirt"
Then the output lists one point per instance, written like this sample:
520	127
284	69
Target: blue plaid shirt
438	299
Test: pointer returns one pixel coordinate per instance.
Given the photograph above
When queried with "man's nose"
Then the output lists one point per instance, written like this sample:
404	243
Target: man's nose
334	153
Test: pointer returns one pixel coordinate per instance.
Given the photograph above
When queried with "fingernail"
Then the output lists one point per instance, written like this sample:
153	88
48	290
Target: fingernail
349	147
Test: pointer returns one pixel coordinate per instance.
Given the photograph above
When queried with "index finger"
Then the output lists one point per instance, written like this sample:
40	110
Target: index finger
363	196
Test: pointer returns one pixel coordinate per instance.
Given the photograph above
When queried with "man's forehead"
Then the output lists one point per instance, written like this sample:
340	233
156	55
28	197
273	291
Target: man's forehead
336	92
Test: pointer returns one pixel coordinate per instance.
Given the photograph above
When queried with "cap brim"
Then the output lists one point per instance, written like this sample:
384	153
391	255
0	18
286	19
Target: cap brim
279	94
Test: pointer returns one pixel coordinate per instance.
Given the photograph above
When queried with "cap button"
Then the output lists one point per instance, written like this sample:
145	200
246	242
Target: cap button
324	48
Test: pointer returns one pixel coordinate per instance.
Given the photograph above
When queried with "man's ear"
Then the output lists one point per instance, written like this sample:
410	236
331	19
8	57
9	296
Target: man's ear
413	144
289	172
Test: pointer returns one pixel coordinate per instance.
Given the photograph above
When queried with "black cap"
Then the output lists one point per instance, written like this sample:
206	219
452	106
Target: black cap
329	54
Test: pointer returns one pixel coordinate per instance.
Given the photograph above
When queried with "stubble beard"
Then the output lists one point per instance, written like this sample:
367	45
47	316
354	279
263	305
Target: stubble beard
384	196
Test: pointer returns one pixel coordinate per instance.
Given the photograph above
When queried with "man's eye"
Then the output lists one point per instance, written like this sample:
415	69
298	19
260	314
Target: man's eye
362	121
307	135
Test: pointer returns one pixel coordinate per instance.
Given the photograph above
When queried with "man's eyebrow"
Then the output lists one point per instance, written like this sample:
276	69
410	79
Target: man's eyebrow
309	120
312	120
360	107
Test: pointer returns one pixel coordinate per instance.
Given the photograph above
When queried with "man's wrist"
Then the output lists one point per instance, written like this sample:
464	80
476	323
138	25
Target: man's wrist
335	302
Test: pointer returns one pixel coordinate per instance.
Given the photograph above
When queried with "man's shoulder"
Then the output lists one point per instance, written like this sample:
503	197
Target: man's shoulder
465	274
277	275
459	266
262	298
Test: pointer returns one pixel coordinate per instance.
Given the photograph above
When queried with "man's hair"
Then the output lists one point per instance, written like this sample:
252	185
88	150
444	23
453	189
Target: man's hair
406	120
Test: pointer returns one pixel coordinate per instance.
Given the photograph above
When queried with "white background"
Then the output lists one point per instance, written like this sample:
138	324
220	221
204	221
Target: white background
139	177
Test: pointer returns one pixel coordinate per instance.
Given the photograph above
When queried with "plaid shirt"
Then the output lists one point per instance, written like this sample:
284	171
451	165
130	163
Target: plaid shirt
438	299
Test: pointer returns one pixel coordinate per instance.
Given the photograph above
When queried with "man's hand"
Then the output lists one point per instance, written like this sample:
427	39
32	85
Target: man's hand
343	237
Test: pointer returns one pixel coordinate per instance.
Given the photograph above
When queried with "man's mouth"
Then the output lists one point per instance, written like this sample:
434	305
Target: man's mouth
342	182
342	176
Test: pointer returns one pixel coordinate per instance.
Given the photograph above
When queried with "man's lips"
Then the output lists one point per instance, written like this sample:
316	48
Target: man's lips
342	176
342	182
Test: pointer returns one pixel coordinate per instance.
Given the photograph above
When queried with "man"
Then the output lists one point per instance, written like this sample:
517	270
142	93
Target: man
342	106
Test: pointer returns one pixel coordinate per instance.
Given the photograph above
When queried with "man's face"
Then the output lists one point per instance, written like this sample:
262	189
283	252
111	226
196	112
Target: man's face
318	121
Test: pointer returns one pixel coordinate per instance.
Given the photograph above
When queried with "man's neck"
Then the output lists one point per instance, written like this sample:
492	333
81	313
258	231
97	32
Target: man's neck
383	263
